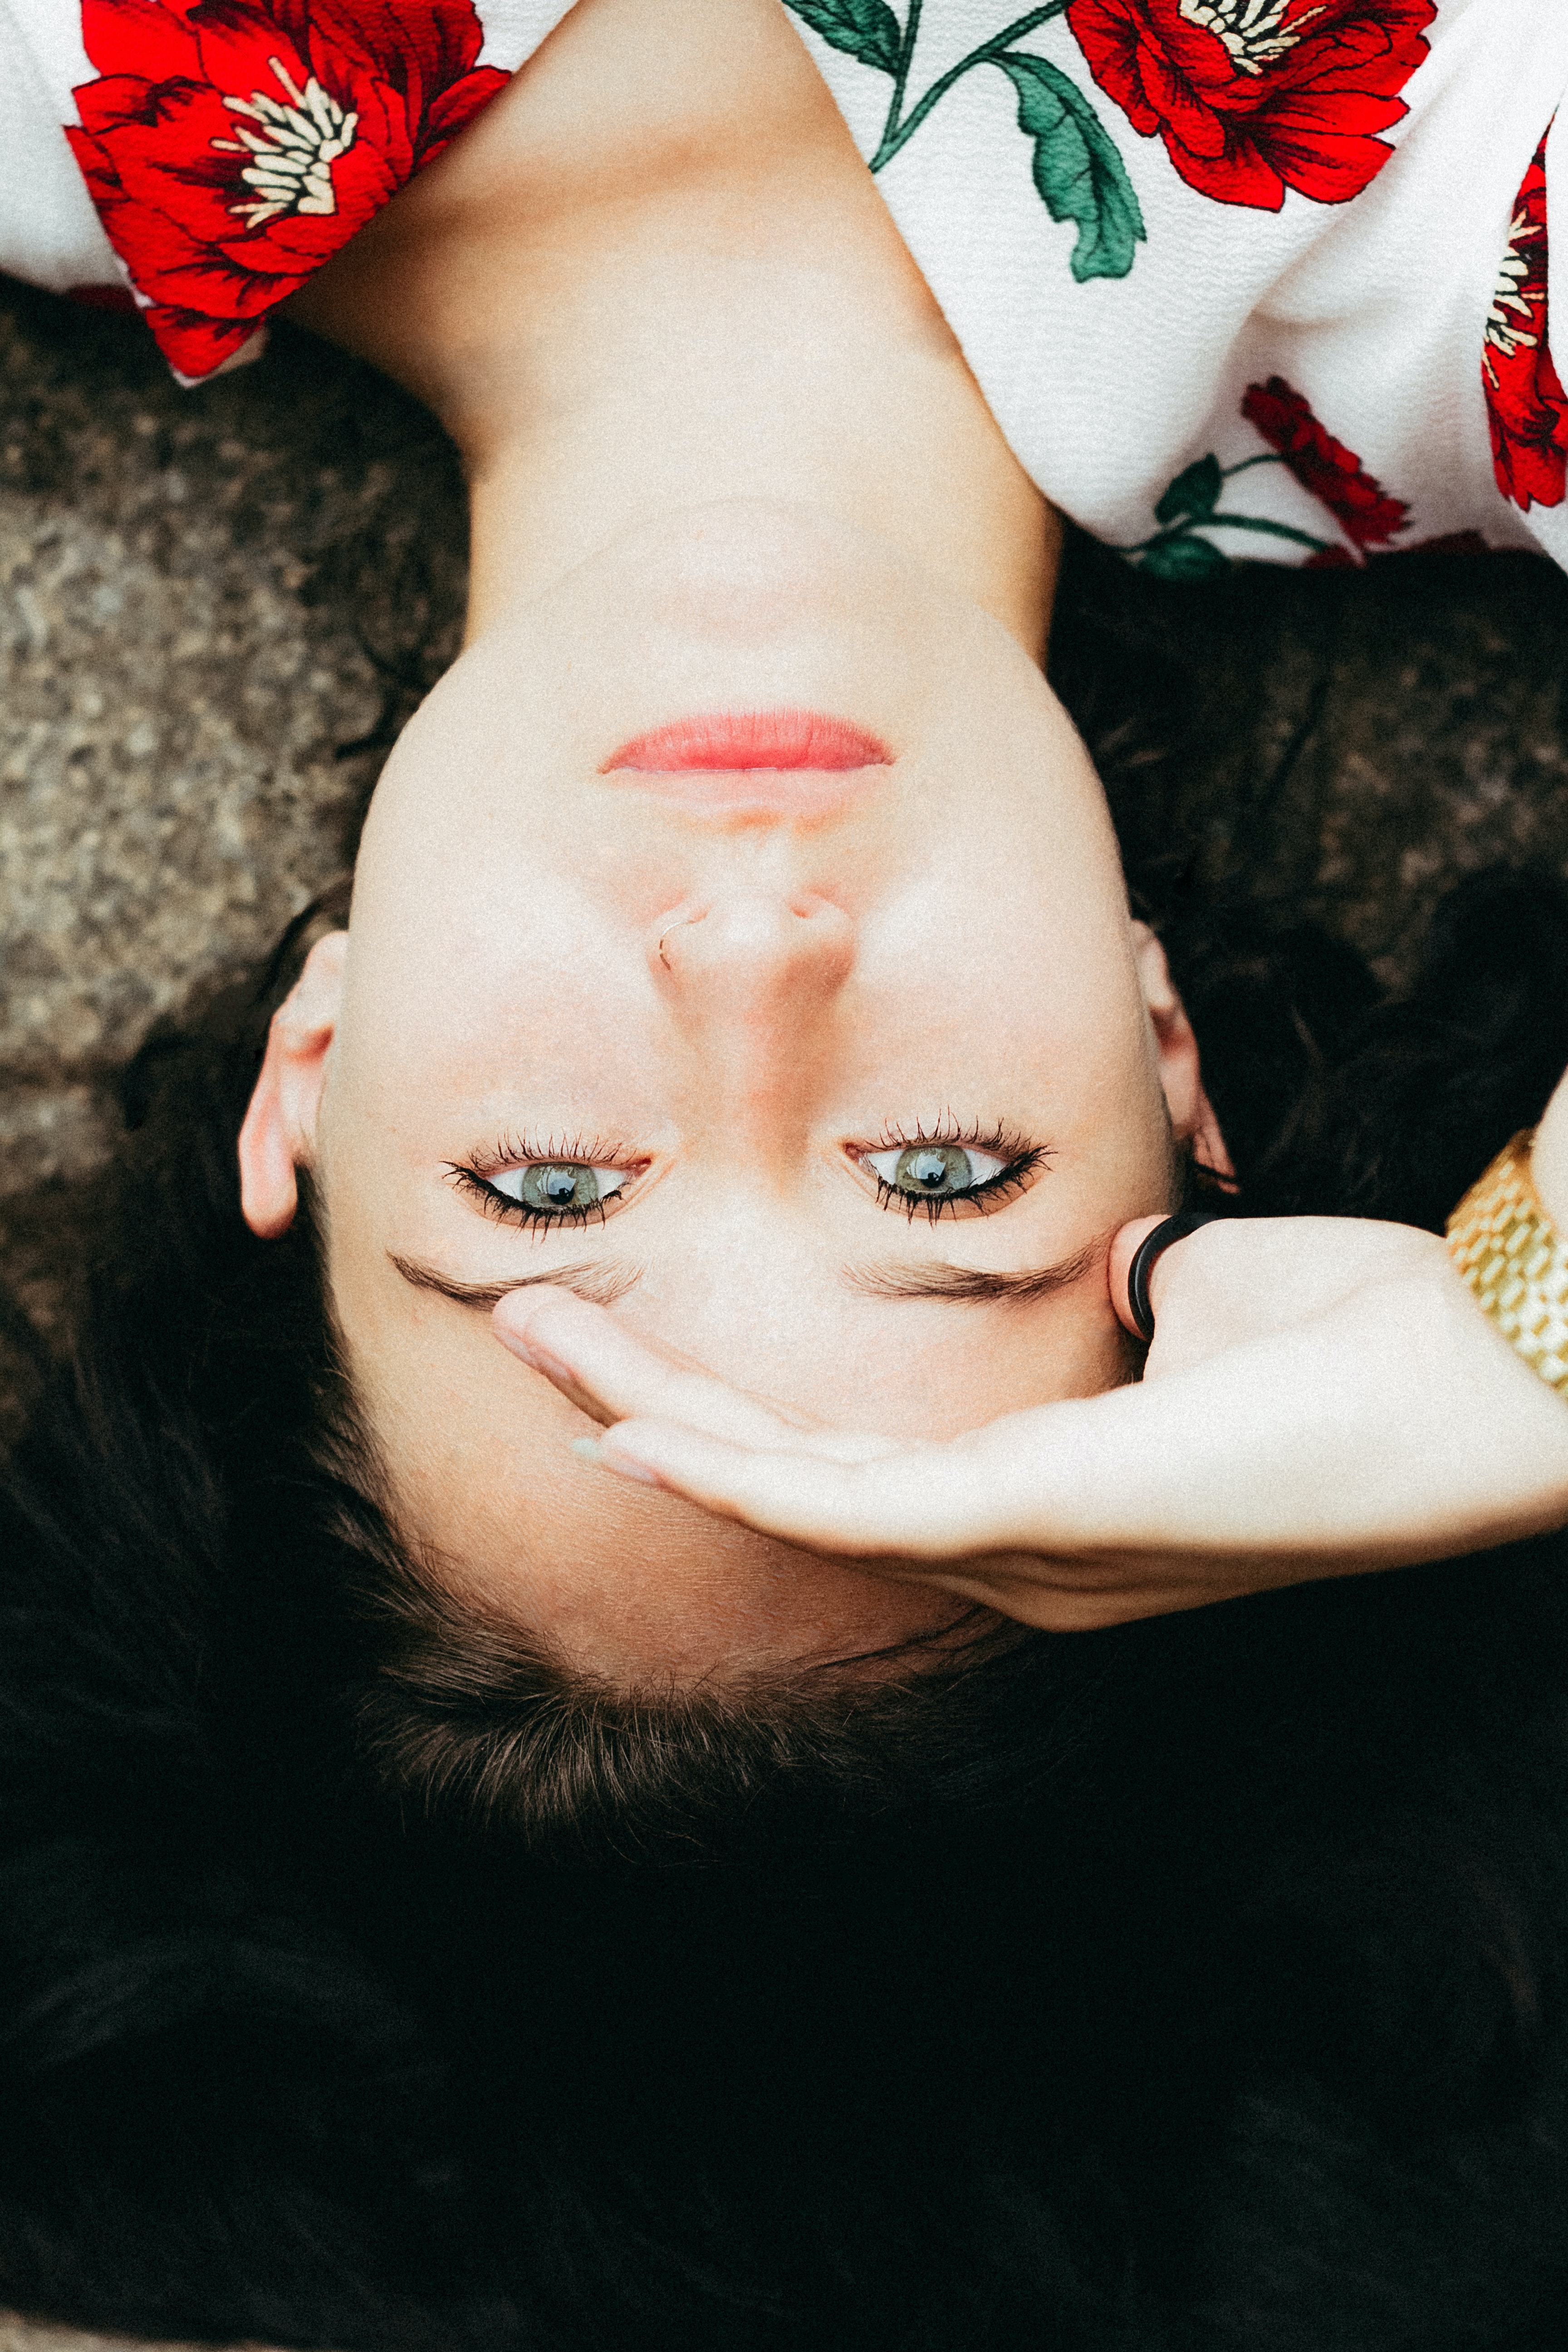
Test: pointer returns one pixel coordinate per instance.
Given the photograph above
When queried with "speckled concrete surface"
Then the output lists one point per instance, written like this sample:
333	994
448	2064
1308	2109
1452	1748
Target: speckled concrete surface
208	598
30	2336
1427	700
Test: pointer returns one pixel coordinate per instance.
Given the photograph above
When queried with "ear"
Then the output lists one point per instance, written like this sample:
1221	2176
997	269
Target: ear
1192	1113
279	1130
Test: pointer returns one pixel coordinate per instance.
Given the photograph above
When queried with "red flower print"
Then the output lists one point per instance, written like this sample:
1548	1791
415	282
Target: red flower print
1252	97
1333	474
1525	403
232	146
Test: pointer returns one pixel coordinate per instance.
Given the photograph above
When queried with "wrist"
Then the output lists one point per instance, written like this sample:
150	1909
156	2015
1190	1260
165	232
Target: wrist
1548	1159
1514	1259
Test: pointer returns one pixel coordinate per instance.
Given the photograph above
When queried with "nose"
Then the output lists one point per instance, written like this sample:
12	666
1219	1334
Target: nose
751	978
758	945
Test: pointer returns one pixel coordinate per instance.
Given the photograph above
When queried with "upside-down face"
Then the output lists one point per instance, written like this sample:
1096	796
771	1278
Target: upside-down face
739	936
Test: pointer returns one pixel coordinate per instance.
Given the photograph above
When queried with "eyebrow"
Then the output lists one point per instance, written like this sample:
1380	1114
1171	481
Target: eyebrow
600	1285
603	1286
969	1285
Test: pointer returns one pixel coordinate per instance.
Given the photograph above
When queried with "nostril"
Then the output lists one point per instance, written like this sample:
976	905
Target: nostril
677	923
787	936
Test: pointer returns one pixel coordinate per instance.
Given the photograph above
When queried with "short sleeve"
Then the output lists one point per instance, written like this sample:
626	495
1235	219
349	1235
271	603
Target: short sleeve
227	150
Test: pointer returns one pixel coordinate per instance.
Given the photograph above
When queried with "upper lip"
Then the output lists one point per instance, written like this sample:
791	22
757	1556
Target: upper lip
727	742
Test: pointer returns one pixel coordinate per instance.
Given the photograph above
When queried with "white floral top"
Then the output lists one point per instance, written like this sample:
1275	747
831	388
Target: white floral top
1237	277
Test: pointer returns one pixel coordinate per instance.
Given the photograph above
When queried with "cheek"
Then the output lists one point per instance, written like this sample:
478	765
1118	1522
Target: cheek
453	1024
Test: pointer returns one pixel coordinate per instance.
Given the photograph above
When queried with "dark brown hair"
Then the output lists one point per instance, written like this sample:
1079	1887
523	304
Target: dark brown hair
364	1981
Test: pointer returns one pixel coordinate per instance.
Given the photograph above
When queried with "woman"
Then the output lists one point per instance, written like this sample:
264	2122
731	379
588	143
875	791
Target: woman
738	1044
281	2070
365	1980
744	1006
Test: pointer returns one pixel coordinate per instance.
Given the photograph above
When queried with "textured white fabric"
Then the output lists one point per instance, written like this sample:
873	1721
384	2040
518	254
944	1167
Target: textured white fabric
1375	310
50	232
514	29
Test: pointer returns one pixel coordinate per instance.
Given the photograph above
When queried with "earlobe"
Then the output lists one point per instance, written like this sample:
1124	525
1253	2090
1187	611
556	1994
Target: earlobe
269	1188
1192	1119
279	1136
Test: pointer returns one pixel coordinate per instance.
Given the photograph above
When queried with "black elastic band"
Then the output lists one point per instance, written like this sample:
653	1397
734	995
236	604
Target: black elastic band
1154	1245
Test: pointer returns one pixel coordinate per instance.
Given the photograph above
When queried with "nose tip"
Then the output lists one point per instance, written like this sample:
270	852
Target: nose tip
756	941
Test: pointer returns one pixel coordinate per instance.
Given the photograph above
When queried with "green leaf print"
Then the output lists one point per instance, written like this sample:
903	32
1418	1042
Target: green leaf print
1184	559
1175	553
867	29
1077	171
1194	492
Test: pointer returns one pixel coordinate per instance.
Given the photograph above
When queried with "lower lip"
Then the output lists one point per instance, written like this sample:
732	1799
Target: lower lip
741	742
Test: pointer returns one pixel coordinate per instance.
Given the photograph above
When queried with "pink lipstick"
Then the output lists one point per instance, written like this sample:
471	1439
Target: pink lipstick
739	742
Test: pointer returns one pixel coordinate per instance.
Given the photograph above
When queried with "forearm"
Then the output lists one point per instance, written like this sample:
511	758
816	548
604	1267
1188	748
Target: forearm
1548	1159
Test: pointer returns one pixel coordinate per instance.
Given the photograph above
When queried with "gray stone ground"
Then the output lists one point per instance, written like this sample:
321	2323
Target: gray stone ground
18	2335
207	599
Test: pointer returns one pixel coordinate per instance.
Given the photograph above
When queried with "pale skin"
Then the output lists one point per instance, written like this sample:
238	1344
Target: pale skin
723	450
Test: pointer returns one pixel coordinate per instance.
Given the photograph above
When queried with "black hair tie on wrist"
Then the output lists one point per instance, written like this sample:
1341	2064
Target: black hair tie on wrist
1152	1246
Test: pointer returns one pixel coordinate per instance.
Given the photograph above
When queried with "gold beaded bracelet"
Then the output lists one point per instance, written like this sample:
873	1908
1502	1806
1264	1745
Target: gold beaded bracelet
1512	1254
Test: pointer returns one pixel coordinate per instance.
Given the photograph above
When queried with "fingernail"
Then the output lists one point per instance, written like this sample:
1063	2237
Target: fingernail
588	1449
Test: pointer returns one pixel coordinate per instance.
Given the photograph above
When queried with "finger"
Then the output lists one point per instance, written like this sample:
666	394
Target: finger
905	1519
858	1496
612	1375
1242	1279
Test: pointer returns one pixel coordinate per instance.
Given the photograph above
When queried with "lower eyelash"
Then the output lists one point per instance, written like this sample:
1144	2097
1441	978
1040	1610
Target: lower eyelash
1006	1180
508	1211
1022	1162
512	1150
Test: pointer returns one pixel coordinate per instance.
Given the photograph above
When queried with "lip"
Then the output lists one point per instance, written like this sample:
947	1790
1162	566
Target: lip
743	743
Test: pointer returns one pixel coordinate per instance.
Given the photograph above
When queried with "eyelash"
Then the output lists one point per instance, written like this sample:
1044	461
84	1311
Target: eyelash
1021	1159
588	1151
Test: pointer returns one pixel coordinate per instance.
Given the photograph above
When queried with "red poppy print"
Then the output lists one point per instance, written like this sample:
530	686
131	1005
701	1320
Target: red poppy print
1526	406
1252	97
232	146
1334	474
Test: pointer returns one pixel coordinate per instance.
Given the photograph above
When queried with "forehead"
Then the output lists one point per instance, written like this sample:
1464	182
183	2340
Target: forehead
625	1581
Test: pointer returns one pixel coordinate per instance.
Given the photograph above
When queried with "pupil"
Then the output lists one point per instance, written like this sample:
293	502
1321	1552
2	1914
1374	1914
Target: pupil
559	1187
933	1167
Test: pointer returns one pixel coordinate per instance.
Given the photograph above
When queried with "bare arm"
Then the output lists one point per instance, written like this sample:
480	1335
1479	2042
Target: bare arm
1323	1397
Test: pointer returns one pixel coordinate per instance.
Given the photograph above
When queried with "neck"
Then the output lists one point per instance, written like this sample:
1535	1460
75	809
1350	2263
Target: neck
655	274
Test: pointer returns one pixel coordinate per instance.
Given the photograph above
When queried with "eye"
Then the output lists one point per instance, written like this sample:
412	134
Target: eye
561	1188
933	1172
945	1174
550	1181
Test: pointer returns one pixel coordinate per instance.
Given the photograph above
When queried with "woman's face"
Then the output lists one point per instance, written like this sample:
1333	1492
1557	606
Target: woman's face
835	1080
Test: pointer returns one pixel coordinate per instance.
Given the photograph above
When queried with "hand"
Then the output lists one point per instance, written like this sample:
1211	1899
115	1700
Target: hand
1323	1397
